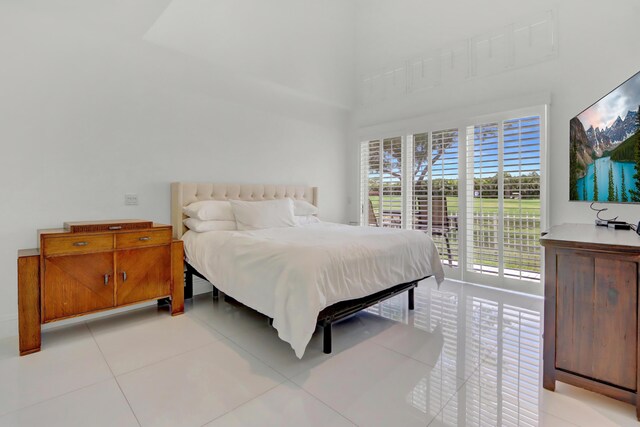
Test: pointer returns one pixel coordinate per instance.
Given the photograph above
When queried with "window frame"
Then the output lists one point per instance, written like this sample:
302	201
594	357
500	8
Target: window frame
405	130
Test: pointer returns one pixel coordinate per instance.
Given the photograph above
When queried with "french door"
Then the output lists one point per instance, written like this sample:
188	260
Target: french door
478	189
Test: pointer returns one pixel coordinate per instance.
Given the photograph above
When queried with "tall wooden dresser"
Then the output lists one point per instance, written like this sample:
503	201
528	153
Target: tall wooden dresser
591	334
87	267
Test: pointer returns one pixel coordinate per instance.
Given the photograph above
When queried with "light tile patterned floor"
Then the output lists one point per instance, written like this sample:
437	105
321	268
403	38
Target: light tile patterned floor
467	355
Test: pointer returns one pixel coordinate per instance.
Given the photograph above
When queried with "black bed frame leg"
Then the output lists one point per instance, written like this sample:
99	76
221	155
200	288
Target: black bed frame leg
326	338
188	284
411	300
215	293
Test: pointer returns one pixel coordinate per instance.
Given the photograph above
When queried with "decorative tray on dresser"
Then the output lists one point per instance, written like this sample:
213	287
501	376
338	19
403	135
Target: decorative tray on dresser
87	267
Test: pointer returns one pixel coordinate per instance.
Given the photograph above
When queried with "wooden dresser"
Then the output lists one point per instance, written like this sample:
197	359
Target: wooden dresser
87	267
591	335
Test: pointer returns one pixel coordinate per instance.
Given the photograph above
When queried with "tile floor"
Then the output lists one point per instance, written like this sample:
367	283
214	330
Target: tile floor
467	355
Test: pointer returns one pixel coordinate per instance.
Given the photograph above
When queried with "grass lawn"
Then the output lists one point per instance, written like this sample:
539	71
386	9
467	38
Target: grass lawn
511	206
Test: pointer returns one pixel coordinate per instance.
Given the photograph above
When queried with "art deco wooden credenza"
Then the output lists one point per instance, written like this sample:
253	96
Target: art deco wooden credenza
591	335
87	267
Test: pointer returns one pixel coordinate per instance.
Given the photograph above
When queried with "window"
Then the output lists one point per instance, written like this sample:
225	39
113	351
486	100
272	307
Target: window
476	189
381	188
436	208
503	198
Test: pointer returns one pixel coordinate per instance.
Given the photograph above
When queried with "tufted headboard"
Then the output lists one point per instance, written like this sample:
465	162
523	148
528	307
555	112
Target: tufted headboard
184	193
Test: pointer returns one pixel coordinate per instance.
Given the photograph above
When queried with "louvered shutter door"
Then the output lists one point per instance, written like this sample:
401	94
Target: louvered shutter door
392	183
370	177
381	182
420	184
521	173
444	194
483	216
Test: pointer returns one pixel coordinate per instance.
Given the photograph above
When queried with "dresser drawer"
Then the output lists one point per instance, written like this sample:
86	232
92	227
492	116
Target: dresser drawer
142	239
77	244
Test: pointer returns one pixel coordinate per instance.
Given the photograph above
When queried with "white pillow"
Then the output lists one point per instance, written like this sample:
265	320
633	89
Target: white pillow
263	214
306	219
303	208
200	226
210	210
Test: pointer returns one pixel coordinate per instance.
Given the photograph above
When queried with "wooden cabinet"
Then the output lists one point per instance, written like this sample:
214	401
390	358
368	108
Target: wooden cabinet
591	309
77	284
102	266
143	274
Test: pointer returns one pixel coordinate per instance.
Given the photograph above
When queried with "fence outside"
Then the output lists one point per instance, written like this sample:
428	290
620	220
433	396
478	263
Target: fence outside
521	247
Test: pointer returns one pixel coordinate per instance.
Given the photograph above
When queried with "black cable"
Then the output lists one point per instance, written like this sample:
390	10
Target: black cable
598	211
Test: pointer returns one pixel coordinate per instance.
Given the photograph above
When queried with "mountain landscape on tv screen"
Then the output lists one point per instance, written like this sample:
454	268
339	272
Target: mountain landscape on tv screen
604	157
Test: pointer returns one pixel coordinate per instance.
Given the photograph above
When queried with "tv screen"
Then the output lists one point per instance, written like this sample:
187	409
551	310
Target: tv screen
604	151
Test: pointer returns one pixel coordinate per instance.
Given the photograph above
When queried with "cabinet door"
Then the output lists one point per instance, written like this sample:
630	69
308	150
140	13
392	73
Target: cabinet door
143	274
615	334
574	314
76	284
596	318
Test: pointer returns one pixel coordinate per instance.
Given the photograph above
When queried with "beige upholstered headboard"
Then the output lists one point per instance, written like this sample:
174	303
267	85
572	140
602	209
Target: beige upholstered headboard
184	193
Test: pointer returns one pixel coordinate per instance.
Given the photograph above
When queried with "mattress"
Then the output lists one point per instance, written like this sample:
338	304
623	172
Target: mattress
291	274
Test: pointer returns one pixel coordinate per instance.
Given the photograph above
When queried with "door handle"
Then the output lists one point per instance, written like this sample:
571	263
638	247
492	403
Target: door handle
106	279
124	276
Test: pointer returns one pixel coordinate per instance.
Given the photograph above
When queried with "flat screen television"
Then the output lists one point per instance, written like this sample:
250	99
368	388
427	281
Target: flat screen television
604	144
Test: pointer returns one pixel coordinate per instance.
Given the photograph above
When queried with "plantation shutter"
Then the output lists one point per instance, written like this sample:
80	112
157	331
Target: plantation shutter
444	194
381	182
477	190
370	183
483	197
503	198
392	183
420	182
522	198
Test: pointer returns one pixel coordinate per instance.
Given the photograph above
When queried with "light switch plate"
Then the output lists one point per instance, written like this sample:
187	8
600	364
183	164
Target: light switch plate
130	199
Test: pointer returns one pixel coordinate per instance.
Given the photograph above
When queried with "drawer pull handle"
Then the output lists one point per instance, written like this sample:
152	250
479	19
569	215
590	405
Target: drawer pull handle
106	279
144	239
124	276
115	227
80	243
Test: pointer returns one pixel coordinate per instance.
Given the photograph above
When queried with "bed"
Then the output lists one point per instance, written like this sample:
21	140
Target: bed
305	276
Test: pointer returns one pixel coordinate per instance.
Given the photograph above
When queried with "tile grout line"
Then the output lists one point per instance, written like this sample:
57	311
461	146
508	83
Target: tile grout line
561	418
243	403
55	397
326	404
464	383
206	323
264	361
66	392
200	346
114	376
464	380
221	339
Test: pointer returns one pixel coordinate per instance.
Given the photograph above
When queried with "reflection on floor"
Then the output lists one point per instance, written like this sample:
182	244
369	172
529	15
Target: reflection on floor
466	356
495	346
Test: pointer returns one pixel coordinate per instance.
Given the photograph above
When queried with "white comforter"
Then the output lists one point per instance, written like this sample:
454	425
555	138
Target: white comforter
291	274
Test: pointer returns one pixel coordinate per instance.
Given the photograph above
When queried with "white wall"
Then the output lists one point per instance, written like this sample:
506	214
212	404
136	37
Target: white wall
103	98
598	50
